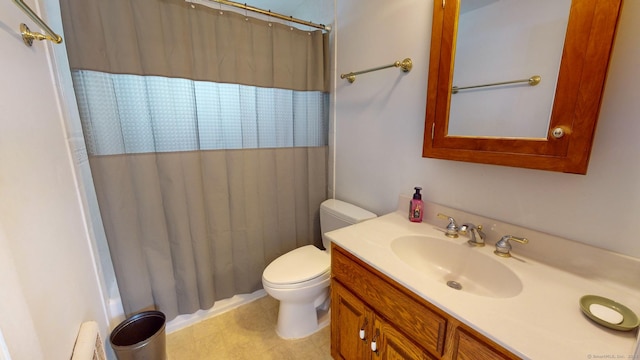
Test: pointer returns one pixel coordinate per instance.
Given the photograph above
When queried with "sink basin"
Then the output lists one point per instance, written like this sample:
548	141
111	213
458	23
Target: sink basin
460	266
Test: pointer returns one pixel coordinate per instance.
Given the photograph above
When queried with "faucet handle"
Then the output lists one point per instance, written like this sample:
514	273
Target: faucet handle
452	228
503	247
521	240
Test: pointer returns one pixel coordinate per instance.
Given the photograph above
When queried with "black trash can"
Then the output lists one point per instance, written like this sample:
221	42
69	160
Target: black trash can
140	337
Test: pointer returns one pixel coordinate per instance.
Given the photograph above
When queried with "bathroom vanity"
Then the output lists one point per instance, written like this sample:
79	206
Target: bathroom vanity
387	319
386	305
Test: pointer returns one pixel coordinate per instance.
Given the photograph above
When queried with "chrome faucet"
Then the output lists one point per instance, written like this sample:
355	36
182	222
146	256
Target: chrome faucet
452	228
503	246
472	230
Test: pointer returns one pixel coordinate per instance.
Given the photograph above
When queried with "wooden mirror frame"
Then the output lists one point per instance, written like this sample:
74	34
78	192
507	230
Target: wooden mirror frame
583	68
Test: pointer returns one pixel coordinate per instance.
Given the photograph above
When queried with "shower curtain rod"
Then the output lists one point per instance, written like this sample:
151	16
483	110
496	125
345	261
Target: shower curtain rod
273	14
27	35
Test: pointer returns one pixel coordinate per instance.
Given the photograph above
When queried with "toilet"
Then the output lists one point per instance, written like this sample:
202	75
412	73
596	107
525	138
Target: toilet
300	278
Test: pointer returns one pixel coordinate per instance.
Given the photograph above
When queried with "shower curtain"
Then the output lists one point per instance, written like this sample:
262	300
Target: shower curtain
207	139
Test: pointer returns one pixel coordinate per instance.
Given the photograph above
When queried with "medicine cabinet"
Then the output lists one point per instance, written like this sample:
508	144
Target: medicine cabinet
570	121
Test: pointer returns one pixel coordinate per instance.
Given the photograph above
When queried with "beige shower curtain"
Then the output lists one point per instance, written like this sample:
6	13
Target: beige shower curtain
186	228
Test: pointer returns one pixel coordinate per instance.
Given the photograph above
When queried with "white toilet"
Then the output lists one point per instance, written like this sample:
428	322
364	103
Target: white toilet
300	278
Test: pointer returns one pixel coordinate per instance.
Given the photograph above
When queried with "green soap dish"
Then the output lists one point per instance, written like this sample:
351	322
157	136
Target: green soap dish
629	319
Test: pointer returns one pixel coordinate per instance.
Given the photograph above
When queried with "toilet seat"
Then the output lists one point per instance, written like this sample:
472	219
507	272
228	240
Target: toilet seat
298	268
324	277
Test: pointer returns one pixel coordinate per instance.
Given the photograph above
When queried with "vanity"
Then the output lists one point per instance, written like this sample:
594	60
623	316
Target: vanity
416	329
403	290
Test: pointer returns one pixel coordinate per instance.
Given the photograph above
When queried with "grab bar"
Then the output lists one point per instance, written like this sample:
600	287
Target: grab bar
532	81
27	35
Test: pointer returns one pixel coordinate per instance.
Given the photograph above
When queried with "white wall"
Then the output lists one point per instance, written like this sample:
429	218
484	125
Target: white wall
48	276
380	122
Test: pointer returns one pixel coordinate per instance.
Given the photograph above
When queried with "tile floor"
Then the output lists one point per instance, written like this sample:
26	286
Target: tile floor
247	332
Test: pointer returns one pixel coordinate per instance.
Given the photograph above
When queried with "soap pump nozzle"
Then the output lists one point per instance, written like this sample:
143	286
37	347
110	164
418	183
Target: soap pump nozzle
417	194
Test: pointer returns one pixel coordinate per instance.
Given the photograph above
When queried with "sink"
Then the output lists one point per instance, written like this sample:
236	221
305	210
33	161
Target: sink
457	265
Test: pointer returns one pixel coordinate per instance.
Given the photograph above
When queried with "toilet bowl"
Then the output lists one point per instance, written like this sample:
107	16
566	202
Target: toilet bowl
300	278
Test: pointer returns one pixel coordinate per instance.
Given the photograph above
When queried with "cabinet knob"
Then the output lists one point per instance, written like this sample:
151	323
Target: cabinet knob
374	342
362	332
559	132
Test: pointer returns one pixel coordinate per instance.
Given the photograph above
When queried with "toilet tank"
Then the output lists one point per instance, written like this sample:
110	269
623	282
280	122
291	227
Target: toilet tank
336	214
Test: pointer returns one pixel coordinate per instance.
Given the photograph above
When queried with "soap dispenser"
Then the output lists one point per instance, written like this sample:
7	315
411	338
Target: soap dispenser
416	206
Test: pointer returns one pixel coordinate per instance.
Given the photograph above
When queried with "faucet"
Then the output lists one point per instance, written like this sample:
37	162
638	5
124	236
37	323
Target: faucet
472	230
503	247
452	228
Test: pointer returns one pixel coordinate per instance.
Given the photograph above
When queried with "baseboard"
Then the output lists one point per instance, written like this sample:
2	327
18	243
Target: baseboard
220	307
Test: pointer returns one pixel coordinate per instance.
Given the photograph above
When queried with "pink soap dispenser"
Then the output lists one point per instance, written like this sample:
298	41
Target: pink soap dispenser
416	206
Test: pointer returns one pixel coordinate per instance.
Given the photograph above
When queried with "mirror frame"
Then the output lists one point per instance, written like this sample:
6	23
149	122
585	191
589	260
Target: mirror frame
583	69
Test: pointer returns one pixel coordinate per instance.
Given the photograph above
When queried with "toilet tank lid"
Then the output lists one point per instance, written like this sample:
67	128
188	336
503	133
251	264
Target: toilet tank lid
346	211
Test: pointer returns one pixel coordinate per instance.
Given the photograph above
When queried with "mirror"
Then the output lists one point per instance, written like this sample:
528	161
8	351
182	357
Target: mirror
548	126
495	57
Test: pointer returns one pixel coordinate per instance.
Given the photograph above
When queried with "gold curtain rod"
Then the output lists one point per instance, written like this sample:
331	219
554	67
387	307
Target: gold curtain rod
27	35
273	14
404	65
532	81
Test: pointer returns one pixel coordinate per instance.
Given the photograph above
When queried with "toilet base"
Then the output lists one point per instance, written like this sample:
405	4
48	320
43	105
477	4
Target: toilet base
302	310
296	321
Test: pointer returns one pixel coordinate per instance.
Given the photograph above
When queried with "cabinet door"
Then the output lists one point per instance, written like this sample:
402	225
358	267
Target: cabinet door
391	344
351	320
466	346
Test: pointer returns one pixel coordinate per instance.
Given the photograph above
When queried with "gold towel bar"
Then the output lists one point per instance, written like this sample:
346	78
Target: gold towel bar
405	65
27	35
532	81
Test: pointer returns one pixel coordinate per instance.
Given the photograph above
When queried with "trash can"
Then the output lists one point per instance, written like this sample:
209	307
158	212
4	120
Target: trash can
140	337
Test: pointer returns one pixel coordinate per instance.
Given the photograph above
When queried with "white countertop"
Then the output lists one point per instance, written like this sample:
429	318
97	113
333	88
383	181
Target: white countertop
544	321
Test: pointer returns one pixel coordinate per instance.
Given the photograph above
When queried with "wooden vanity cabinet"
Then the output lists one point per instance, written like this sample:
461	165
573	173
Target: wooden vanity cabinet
367	306
357	327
